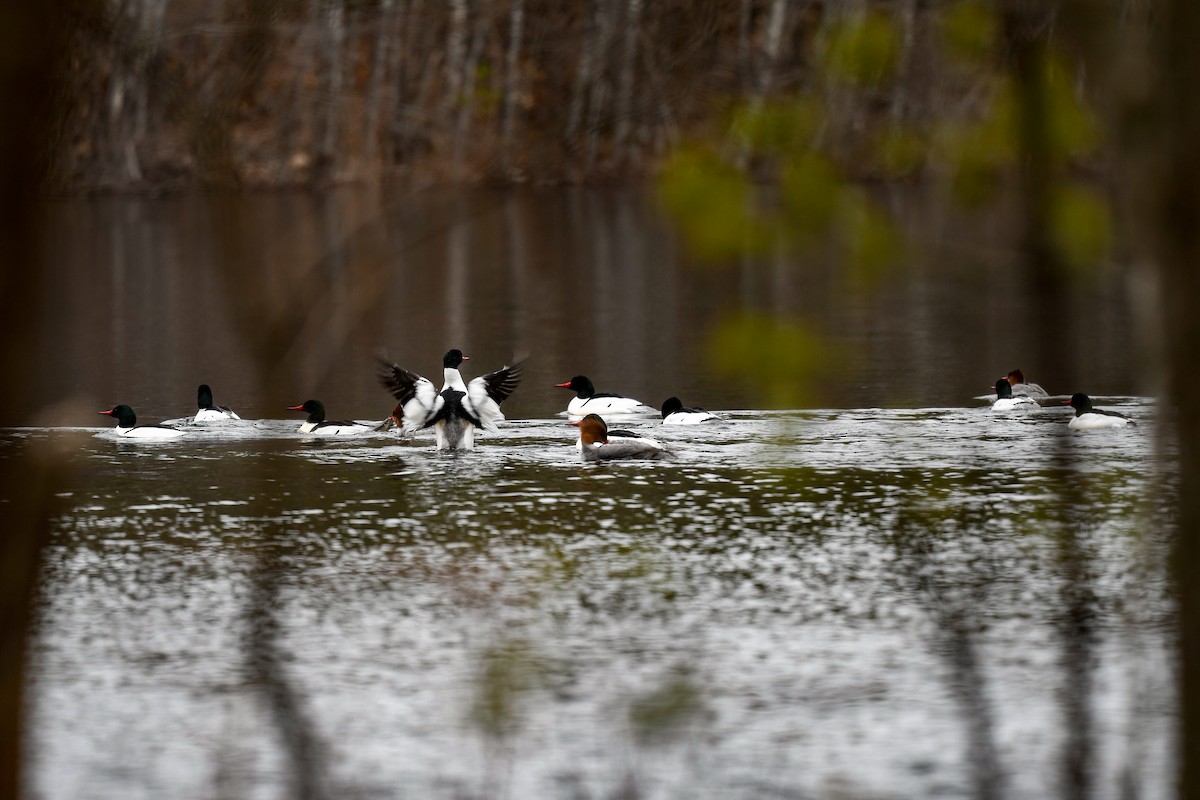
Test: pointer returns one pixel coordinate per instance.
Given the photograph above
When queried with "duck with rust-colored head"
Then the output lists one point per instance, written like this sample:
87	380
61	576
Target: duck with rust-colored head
595	444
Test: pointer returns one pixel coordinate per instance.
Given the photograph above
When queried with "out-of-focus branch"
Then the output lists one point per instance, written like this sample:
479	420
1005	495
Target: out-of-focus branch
32	68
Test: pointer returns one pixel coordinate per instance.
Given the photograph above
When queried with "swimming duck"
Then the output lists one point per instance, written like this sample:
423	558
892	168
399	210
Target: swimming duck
596	445
317	425
1005	400
206	411
588	400
1087	418
674	413
127	426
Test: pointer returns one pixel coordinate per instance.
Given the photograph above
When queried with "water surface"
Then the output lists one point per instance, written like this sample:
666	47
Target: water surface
804	603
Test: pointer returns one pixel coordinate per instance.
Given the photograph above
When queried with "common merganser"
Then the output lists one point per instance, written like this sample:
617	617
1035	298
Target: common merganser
459	408
1087	418
595	444
207	412
1020	388
317	425
1005	400
127	426
674	413
588	400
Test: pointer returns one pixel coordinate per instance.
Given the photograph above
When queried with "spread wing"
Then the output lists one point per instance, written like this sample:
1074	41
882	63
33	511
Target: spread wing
487	392
417	400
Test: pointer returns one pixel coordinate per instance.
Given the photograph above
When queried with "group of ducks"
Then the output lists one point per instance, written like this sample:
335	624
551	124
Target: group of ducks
460	408
1012	393
455	411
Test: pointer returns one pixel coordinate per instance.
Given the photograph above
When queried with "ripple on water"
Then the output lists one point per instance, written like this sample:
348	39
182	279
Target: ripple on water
784	606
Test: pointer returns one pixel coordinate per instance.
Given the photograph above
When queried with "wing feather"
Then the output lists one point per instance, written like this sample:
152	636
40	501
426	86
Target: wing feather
417	398
487	392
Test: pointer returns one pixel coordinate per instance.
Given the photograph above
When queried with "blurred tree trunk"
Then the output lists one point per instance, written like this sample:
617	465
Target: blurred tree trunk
456	57
34	78
599	90
583	78
1178	224
624	104
331	18
512	87
385	31
137	32
466	109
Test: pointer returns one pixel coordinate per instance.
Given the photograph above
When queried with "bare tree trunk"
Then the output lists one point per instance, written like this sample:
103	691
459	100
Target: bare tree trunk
772	44
908	27
512	85
333	27
456	56
138	32
583	78
379	60
470	71
599	89
624	105
745	54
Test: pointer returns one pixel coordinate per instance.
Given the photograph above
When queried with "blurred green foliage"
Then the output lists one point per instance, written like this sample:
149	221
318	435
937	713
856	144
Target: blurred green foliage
742	344
1080	225
969	32
862	51
790	177
710	199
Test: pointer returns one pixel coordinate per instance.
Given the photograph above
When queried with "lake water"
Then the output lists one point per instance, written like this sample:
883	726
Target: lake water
898	593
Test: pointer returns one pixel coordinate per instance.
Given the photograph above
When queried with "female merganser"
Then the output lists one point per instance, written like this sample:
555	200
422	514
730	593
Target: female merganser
207	412
458	409
1020	388
1005	400
317	425
595	444
1087	418
127	426
588	400
674	413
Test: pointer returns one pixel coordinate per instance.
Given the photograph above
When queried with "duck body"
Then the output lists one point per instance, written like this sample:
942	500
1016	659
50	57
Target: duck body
206	411
588	401
596	445
675	413
127	427
317	425
1088	418
1005	400
458	409
1020	388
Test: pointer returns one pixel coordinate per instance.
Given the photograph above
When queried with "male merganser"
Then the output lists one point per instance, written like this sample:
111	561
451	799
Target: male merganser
588	400
127	426
595	445
1005	400
1087	418
459	408
317	425
674	413
1020	388
207	412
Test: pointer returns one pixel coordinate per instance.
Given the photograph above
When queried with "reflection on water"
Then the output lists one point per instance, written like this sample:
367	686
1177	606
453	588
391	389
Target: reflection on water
859	603
889	596
146	305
